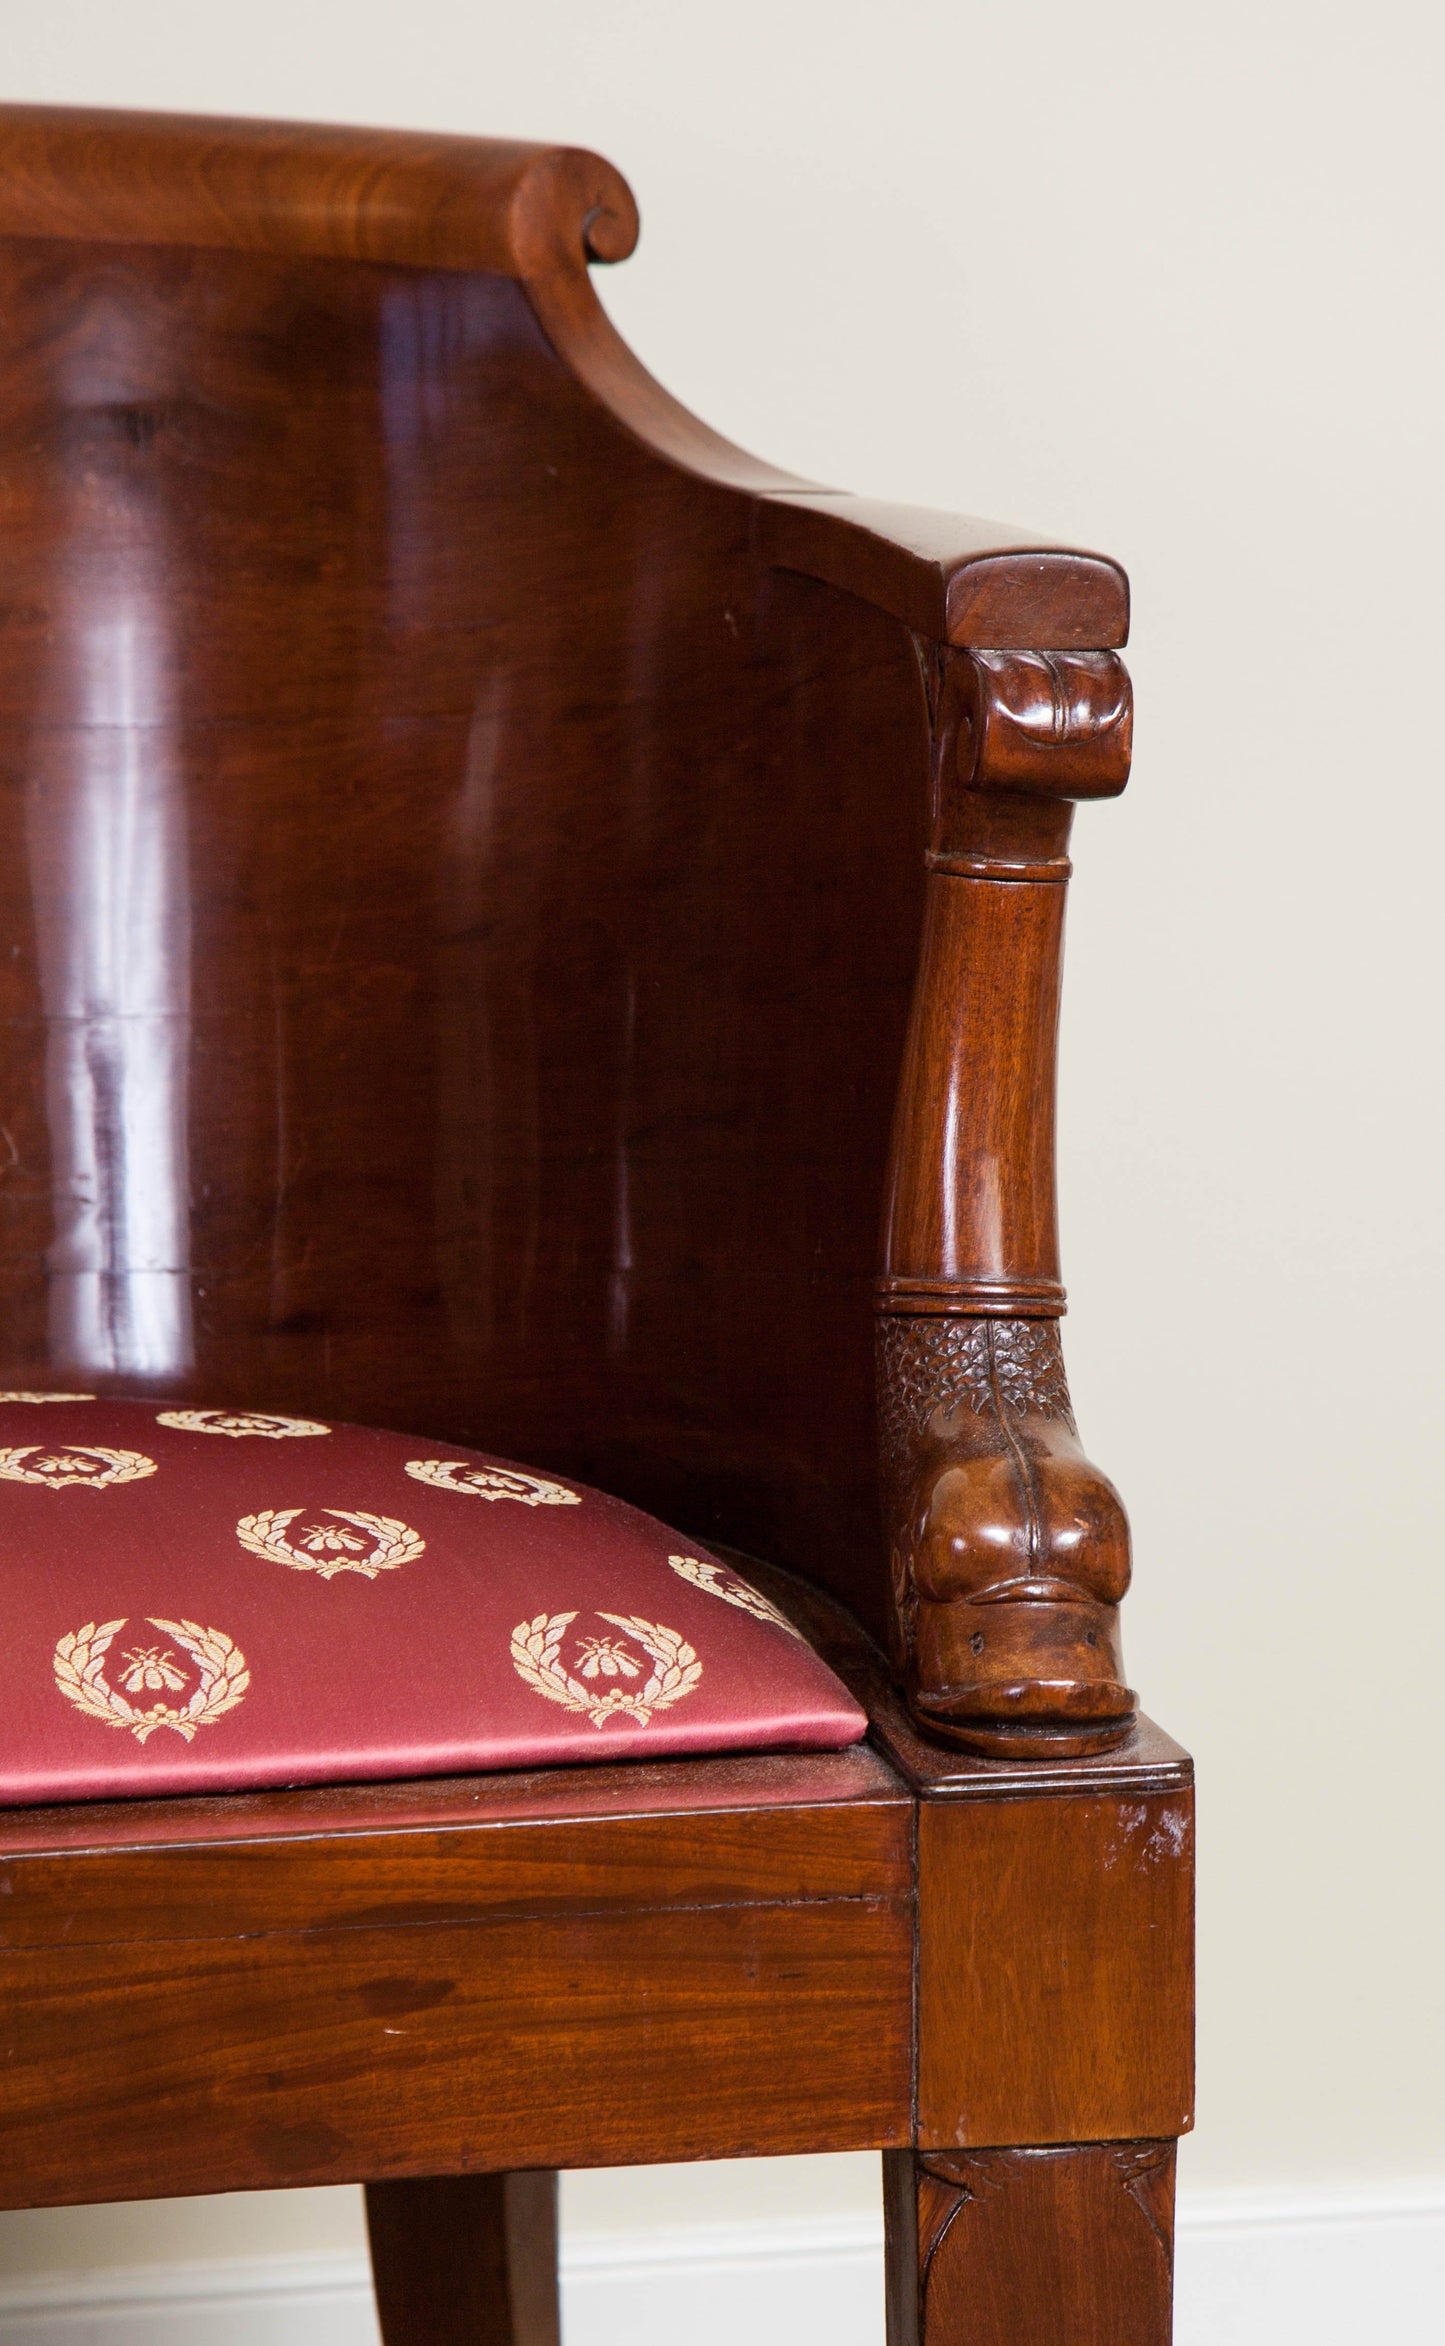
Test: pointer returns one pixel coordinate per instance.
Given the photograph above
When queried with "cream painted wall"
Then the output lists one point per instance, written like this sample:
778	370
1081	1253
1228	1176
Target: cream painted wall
1165	280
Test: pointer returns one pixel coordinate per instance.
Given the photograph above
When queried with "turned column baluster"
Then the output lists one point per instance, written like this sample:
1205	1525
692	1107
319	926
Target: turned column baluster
1010	1552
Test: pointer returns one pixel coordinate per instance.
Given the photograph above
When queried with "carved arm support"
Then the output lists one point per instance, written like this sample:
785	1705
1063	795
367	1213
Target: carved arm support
1009	1551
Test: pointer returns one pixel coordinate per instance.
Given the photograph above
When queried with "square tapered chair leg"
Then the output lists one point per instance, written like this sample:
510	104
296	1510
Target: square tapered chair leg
466	2260
1055	2247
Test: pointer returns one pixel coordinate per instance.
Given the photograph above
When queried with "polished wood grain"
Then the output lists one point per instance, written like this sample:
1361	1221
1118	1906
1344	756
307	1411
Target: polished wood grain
1031	2247
466	2260
309	189
681	1965
461	1850
956	580
487	1070
971	1223
533	212
1058	1934
1055	1921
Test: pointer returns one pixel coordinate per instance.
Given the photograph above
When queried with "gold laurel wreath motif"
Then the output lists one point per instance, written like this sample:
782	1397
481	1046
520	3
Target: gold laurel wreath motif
120	1466
393	1543
237	1422
223	1677
491	1482
706	1575
537	1658
47	1396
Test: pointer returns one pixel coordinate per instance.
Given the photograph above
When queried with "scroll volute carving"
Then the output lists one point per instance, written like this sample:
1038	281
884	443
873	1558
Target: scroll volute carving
1061	723
1010	1551
1018	737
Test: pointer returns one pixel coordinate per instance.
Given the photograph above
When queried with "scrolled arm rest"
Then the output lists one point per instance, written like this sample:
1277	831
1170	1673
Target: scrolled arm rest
952	578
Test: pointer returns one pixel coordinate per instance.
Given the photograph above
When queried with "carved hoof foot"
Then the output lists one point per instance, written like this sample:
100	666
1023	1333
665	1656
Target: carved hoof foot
1022	1674
1021	1742
1012	1554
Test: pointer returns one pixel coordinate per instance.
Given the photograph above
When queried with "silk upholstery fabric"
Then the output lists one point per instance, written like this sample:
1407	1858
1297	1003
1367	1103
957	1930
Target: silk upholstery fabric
203	1601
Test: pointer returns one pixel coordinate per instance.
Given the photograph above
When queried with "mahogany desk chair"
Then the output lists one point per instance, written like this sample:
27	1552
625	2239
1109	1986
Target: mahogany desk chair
519	811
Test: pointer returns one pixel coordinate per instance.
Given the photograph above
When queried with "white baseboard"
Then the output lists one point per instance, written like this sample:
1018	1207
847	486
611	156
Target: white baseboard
1330	2268
1254	2269
281	2301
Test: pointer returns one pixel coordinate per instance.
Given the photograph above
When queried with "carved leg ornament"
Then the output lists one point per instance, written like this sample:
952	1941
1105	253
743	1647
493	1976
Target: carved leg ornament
1031	2247
1010	1552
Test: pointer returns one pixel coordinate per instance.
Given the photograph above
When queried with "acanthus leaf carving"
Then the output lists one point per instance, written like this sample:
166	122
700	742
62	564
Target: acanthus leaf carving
931	1363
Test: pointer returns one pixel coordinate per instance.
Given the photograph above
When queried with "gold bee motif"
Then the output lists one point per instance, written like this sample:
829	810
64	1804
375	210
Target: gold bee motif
492	1482
607	1657
733	1590
82	1466
370	1543
537	1659
239	1422
151	1668
220	1672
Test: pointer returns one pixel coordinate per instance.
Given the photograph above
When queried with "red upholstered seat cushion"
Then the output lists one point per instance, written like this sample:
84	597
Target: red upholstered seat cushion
199	1600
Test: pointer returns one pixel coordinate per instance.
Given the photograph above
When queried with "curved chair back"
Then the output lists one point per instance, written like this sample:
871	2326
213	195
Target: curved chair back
459	895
